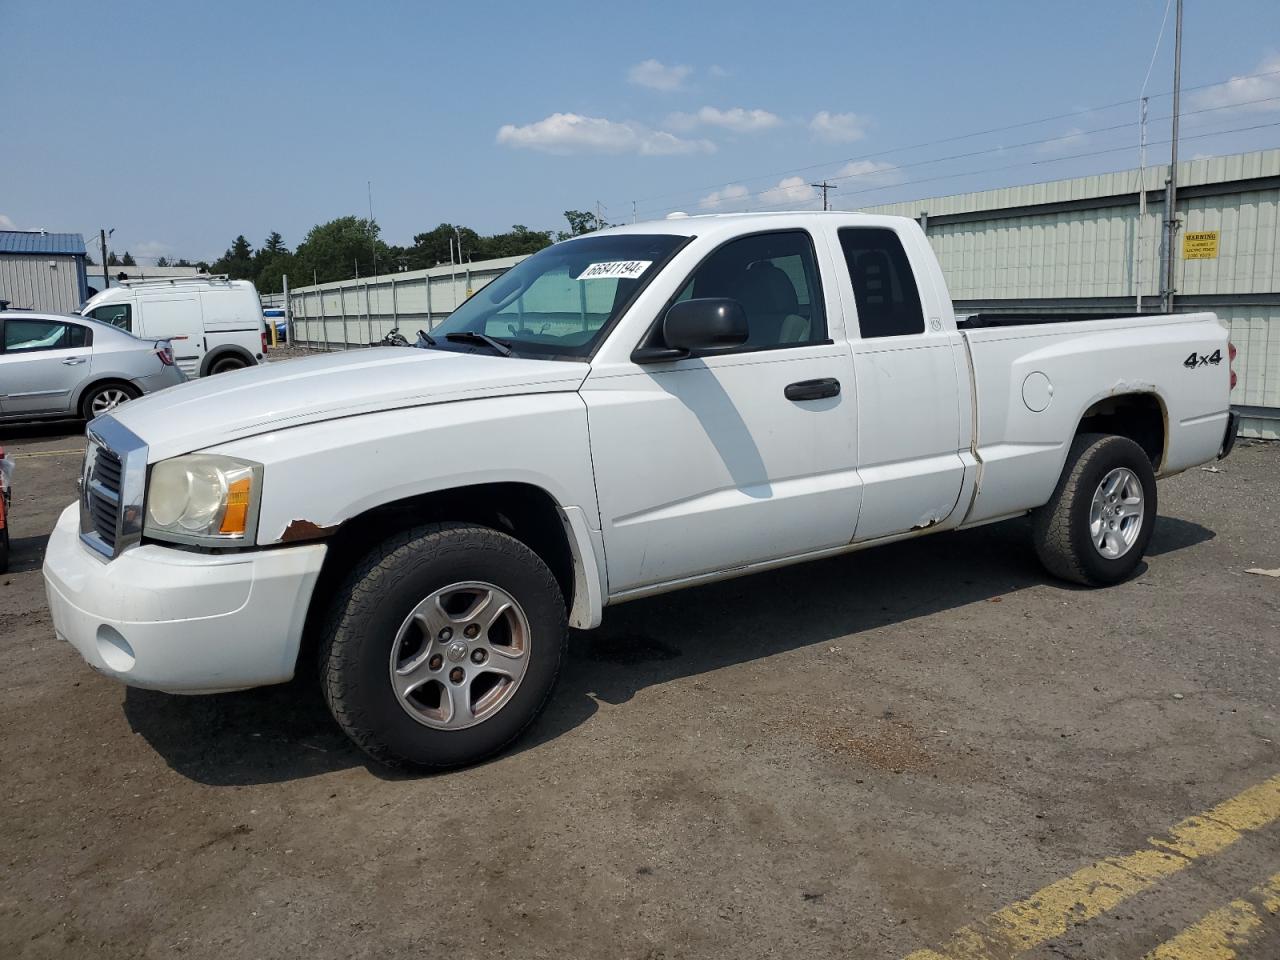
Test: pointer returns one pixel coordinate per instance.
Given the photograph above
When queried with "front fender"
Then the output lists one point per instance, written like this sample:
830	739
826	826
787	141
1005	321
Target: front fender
317	476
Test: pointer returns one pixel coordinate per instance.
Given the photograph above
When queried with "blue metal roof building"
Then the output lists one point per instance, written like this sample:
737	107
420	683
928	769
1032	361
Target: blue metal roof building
42	271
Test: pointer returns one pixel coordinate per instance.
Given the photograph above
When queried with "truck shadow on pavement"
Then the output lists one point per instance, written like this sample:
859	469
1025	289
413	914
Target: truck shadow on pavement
283	733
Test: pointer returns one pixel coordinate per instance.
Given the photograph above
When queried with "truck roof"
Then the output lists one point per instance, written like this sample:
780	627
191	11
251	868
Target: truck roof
700	223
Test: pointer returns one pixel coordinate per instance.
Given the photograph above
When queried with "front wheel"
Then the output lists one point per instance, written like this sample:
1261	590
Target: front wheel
442	646
1095	528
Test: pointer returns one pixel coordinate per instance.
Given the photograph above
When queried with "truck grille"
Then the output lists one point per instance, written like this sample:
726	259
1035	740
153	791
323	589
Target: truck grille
103	496
111	488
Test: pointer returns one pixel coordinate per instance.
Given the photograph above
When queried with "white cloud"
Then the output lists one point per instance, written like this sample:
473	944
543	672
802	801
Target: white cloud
736	119
566	133
838	127
869	173
1239	92
717	71
6	223
150	250
1075	137
659	76
790	191
718	198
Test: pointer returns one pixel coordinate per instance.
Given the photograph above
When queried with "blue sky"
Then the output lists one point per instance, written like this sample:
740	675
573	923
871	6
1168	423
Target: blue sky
182	125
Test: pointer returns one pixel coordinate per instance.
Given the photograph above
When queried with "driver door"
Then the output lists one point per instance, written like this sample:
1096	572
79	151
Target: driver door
710	463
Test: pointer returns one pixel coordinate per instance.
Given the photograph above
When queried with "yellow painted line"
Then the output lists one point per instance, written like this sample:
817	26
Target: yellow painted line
1217	935
46	453
1101	886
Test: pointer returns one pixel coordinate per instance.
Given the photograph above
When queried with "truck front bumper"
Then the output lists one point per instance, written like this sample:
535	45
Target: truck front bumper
180	621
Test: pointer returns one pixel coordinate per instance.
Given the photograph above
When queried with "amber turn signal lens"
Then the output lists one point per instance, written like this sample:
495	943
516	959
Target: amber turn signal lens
233	521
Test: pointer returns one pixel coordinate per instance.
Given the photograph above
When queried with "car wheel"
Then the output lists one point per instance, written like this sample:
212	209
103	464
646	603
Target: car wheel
4	550
442	646
227	364
106	397
1095	528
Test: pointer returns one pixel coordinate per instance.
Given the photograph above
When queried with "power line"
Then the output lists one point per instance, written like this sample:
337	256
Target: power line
951	139
1000	167
1018	146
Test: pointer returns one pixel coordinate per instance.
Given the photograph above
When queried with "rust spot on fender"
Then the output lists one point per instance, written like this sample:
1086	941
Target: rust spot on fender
305	530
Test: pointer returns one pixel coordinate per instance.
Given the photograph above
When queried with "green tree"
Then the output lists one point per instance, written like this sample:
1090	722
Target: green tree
113	260
184	262
580	222
520	241
337	249
274	244
237	261
162	262
433	246
127	260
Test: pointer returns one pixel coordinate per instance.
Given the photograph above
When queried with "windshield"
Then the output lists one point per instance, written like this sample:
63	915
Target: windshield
561	300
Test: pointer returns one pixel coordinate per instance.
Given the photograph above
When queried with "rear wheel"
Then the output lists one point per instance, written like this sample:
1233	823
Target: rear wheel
227	364
106	397
442	646
1095	528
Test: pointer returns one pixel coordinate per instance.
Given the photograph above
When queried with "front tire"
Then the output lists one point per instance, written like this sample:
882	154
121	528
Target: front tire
1095	528
442	646
105	397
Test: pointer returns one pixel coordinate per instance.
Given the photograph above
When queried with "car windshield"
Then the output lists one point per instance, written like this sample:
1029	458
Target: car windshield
560	301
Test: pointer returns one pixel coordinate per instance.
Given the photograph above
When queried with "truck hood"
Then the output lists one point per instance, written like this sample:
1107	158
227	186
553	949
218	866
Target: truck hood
288	393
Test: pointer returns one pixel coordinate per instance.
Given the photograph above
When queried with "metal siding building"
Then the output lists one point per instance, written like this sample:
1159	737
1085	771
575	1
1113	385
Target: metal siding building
356	312
1078	246
42	271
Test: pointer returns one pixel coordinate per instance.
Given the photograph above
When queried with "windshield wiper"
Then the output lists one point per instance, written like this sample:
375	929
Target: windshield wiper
470	336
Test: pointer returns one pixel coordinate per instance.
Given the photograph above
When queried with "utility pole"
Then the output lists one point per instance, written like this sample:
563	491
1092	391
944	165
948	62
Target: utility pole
373	239
633	211
1142	206
824	187
1171	185
102	242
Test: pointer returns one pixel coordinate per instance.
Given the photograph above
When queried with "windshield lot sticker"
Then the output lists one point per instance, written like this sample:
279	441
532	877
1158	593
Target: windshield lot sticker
616	270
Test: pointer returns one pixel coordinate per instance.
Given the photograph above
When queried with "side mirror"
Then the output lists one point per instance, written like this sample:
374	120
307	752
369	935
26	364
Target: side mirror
704	326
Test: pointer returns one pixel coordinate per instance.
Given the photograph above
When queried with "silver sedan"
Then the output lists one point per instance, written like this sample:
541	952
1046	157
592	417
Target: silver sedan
56	366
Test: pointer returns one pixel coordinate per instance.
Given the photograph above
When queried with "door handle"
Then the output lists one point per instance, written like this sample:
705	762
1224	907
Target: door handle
813	389
72	361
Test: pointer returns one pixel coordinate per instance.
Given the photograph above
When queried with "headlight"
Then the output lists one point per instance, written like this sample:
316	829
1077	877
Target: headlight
204	499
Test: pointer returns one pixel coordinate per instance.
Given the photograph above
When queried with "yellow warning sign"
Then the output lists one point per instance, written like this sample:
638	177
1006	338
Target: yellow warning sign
1200	246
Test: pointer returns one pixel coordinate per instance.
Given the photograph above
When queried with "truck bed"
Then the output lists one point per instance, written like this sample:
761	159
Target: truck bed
978	321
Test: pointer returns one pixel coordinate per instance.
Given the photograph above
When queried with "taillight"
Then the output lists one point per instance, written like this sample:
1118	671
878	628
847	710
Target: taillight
165	352
265	341
1231	361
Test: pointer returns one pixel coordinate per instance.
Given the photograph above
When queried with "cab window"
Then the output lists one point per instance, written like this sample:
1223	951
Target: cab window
884	288
29	336
775	278
117	314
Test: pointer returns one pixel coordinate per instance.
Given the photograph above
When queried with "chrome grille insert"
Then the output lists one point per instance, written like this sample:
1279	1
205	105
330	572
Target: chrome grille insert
112	485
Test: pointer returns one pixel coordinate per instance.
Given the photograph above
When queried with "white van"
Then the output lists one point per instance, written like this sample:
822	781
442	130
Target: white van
215	324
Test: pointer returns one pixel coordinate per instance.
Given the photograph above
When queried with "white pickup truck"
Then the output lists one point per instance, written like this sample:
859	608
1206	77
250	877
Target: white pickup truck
638	410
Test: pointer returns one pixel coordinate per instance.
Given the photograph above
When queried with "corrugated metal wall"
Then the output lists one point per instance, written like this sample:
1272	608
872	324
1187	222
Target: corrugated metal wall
357	312
49	282
1079	245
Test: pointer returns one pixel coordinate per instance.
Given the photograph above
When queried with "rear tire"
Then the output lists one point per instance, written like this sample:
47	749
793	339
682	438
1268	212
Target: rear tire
1095	528
227	364
390	652
105	397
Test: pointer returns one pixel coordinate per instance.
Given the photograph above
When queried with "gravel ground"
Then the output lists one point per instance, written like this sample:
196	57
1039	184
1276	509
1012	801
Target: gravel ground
853	757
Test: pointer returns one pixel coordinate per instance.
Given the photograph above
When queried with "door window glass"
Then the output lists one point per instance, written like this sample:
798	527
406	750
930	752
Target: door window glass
117	314
884	288
28	336
775	278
